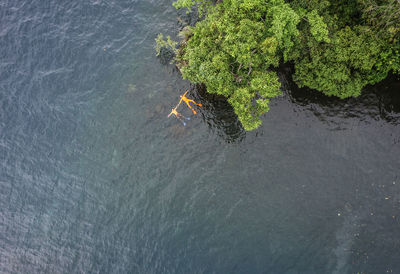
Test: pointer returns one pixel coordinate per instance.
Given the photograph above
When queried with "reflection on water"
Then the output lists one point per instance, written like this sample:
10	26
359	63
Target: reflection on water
219	116
378	102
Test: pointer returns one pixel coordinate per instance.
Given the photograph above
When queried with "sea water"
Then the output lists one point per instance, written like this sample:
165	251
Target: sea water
94	178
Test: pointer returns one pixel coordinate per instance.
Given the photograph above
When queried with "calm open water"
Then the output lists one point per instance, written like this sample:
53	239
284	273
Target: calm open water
95	179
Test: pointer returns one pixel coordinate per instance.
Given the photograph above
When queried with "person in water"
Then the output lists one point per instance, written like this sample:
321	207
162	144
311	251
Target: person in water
179	116
188	101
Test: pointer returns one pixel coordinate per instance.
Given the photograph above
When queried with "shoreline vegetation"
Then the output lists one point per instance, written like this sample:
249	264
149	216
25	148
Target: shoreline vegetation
336	47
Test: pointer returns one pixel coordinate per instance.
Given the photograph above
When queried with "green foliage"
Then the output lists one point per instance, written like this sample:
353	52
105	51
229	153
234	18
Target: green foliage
336	46
318	28
382	15
179	4
252	101
283	22
167	44
343	68
202	5
383	18
233	50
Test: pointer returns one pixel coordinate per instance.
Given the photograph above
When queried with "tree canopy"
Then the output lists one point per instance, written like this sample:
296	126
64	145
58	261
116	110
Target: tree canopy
336	46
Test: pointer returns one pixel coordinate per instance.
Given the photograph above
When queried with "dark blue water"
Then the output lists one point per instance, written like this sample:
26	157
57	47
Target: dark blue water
95	179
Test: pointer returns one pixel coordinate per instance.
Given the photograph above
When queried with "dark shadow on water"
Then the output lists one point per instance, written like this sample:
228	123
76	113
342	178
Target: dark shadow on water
187	19
219	115
377	102
380	102
166	56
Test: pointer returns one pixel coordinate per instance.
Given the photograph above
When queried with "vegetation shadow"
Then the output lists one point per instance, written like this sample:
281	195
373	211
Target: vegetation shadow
219	115
377	102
